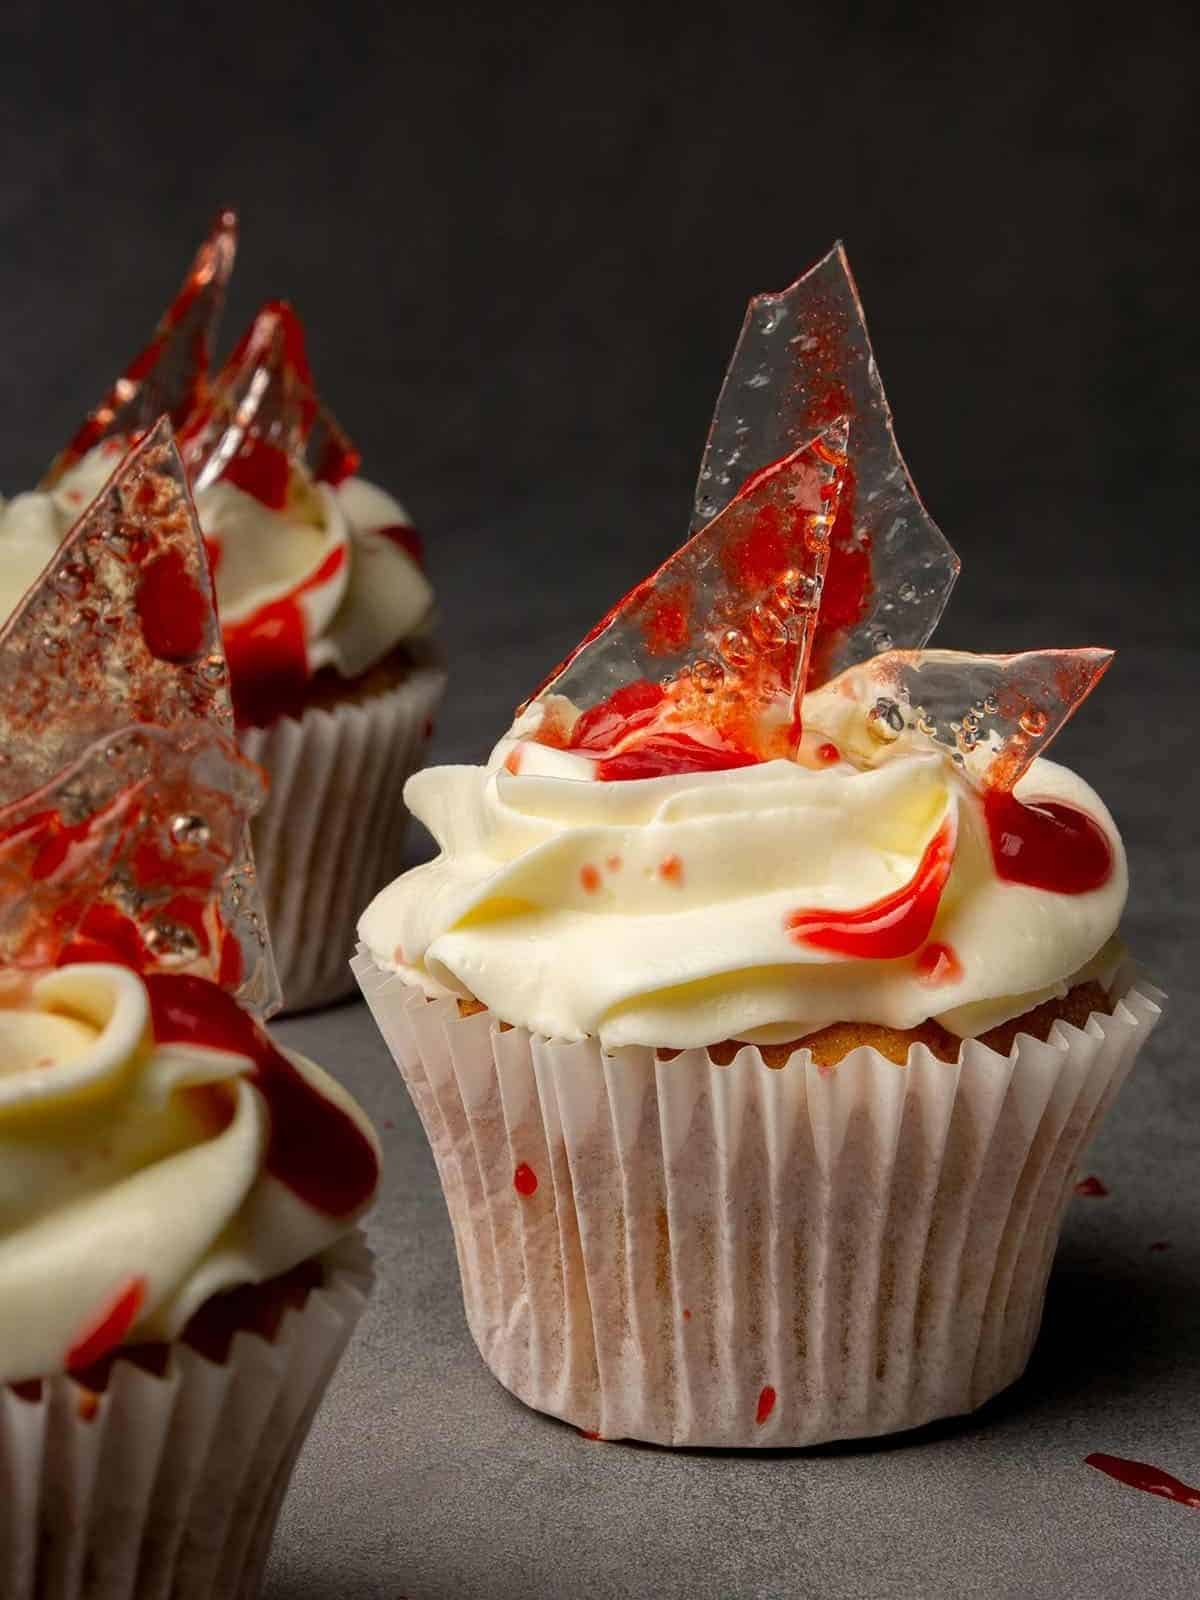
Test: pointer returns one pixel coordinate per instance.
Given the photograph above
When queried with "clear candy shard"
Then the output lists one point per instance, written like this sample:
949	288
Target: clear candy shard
722	630
992	714
124	803
803	358
170	376
263	417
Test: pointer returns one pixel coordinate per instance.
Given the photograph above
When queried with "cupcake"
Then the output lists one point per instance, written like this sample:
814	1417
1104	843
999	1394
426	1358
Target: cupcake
767	986
325	608
180	1258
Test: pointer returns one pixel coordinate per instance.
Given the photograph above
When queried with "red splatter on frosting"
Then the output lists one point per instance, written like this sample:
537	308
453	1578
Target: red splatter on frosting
109	1328
766	1404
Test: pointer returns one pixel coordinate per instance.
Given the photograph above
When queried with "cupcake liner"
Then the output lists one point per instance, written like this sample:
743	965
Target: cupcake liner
169	1487
331	833
737	1255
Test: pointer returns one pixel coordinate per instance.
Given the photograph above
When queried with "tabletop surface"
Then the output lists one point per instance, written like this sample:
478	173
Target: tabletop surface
424	1479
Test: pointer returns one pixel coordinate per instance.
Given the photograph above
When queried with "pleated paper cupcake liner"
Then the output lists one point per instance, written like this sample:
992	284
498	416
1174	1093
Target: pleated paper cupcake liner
331	833
169	1487
695	1254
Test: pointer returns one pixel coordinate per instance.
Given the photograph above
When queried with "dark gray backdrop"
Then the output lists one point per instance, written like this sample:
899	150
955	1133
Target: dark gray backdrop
522	248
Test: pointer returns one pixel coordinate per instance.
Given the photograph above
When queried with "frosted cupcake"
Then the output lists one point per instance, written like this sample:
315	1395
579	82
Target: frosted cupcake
766	988
325	608
180	1262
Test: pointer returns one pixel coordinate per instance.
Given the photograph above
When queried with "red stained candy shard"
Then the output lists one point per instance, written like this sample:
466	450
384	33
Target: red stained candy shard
893	926
171	374
124	803
803	358
712	649
993	714
263	417
109	1329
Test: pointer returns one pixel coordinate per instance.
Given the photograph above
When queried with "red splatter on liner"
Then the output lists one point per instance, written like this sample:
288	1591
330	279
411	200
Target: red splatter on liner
109	1328
766	1404
525	1179
1091	1187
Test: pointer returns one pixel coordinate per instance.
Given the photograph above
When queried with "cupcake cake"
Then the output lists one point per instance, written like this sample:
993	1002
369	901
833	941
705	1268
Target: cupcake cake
180	1259
767	986
325	608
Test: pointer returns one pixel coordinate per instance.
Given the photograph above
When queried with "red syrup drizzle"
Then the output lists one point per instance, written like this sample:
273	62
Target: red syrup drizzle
894	925
268	653
1140	1475
314	1148
1046	844
766	1404
108	1330
631	711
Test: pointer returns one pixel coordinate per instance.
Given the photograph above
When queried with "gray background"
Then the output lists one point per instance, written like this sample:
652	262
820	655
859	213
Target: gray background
522	241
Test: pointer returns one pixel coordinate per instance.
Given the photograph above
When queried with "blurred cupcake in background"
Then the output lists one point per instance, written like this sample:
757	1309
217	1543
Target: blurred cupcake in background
326	612
180	1258
766	990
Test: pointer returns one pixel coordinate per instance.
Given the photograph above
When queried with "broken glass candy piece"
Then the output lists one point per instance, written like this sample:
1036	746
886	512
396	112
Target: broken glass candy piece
804	357
713	647
170	375
993	714
263	417
140	830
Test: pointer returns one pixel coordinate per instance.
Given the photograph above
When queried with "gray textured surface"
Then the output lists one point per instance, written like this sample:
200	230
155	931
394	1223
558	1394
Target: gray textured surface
424	1479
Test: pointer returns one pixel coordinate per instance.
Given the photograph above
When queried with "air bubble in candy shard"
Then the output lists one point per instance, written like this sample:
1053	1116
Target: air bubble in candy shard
114	728
803	358
263	417
169	377
711	651
994	714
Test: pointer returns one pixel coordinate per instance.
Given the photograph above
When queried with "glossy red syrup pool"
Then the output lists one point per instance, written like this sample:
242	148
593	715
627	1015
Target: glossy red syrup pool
1140	1475
525	1180
938	965
1046	844
109	1328
766	1404
894	925
314	1148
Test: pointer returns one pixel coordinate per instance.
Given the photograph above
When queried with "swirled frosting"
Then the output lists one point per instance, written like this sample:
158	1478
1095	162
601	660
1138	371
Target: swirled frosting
762	902
332	580
155	1150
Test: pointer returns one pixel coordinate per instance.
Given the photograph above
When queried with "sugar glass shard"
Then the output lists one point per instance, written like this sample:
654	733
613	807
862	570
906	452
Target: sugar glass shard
993	714
264	417
170	375
723	628
137	853
121	629
803	358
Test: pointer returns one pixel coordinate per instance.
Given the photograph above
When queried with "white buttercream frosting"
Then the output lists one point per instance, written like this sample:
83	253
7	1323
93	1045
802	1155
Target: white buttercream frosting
360	591
655	912
123	1161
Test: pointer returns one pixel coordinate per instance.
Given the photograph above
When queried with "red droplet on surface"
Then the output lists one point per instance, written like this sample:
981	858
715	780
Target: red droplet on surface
1045	844
613	863
766	1404
671	869
587	1433
404	538
828	753
892	926
512	762
525	1179
589	877
314	1147
1140	1475
938	965
1092	1188
109	1328
687	1315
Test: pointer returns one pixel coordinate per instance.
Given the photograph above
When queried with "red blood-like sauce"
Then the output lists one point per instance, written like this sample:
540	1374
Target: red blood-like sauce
314	1148
589	877
525	1180
896	924
828	753
623	713
937	965
766	1404
109	1328
262	470
661	755
1046	844
1140	1475
268	653
1091	1188
671	868
172	609
405	538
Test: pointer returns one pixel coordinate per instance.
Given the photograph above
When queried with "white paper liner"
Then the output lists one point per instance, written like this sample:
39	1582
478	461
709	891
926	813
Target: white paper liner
331	833
172	1486
871	1243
